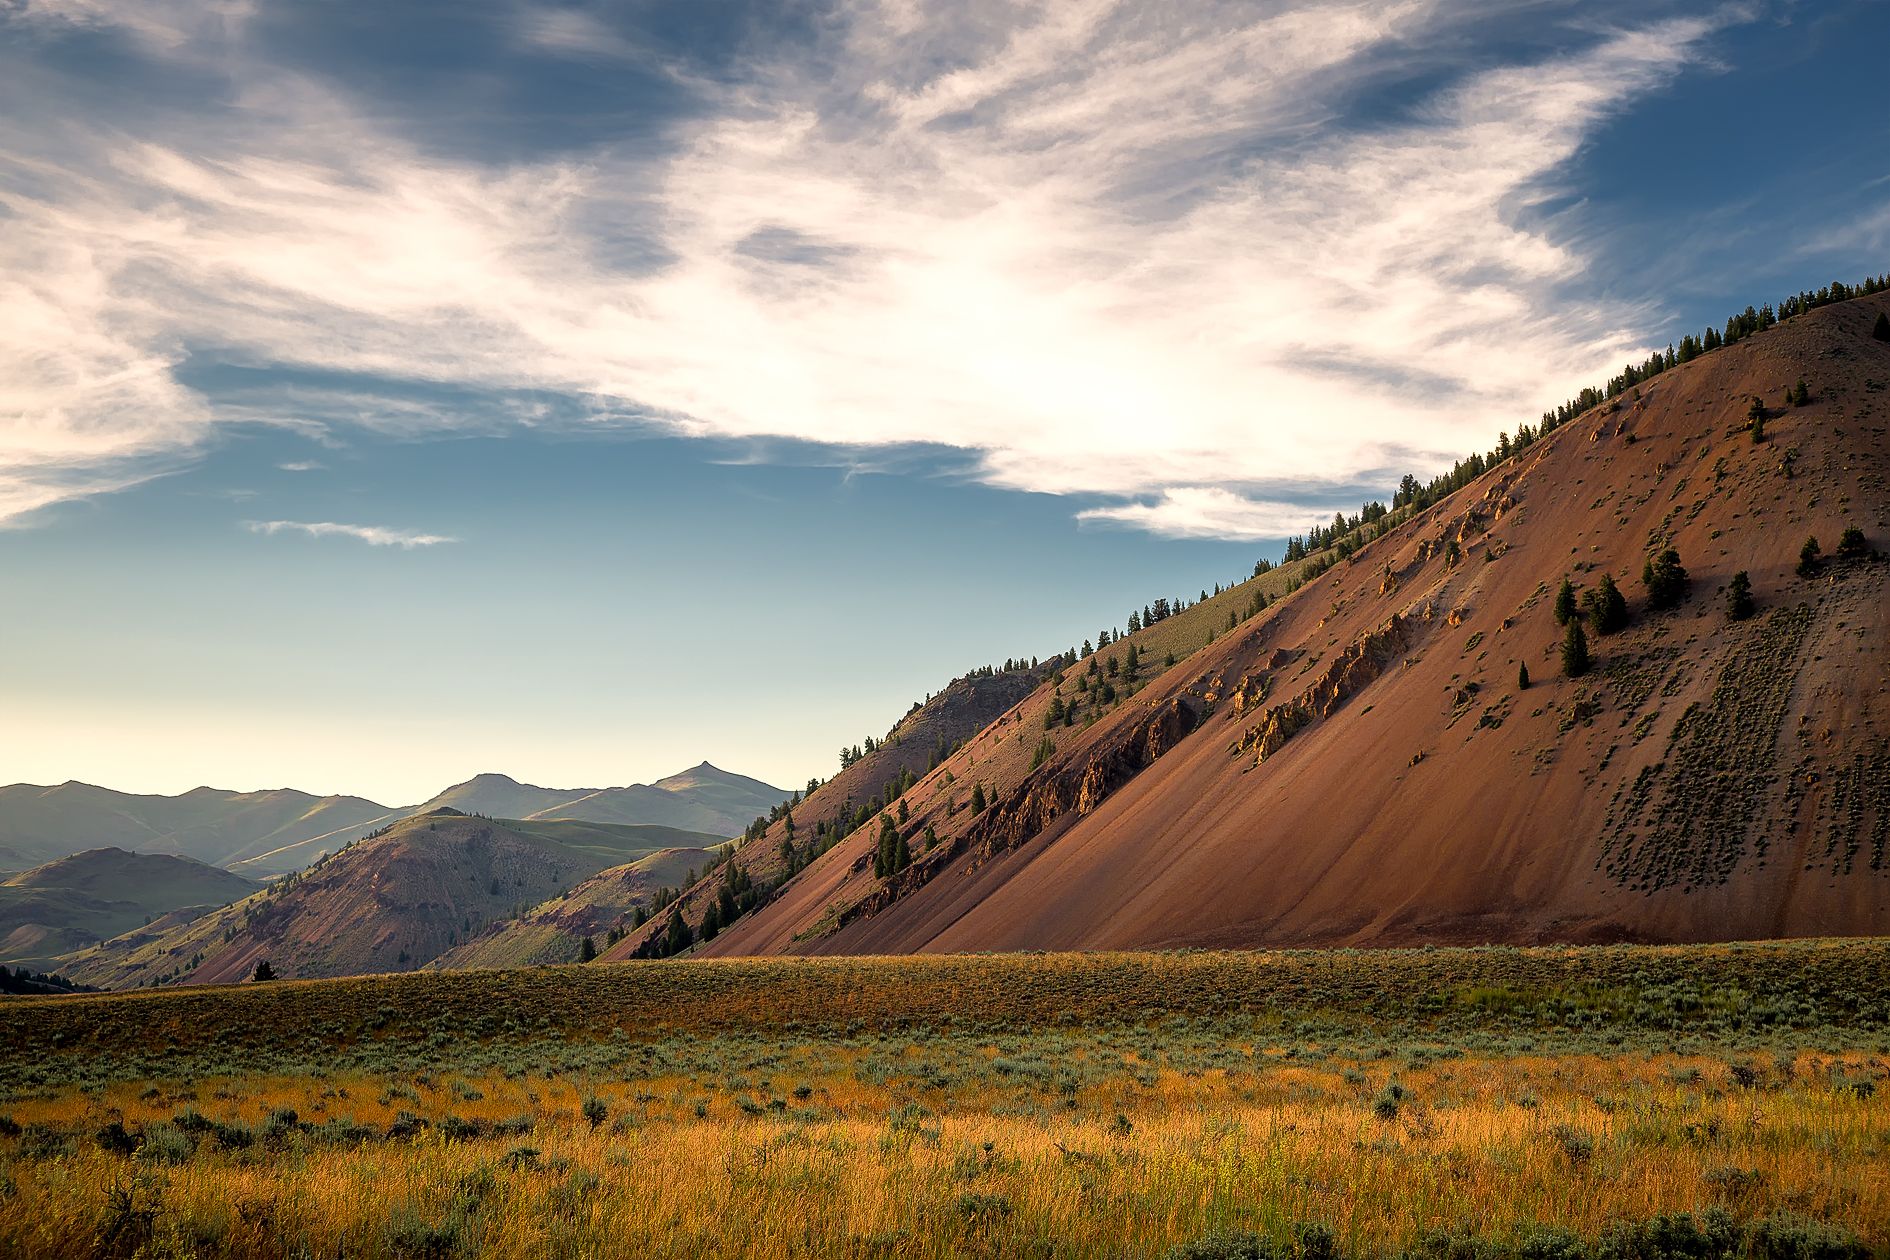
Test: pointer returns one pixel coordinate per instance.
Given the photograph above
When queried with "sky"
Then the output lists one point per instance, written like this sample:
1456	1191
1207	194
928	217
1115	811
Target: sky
394	393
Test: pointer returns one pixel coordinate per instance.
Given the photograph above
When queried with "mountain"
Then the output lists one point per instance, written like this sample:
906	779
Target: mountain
922	740
251	832
1345	753
77	901
392	901
553	932
265	834
703	799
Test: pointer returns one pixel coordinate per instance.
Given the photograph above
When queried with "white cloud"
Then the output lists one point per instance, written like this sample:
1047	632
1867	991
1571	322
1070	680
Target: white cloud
1211	512
301	465
373	535
1109	249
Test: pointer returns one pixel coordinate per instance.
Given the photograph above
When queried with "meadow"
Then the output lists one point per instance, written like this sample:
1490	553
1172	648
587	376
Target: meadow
1448	1104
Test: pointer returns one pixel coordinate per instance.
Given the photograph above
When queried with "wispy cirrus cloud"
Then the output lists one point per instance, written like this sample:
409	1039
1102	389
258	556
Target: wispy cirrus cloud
373	535
1106	250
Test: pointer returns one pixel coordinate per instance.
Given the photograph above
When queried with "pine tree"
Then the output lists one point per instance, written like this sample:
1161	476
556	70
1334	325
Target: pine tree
1810	558
1882	329
1739	597
931	838
902	854
977	798
1565	603
587	950
1605	606
1575	658
1665	579
884	856
1851	545
677	937
264	972
1522	676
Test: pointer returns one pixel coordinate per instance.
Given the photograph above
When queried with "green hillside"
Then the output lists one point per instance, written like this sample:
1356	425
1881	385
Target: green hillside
80	900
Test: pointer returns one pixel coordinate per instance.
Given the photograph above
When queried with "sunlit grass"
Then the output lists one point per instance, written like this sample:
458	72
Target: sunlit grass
1011	1132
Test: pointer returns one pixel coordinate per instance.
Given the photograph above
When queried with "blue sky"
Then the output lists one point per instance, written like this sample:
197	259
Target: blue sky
397	392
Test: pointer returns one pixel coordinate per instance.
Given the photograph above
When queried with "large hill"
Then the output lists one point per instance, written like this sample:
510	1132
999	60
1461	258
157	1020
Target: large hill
393	901
244	831
80	900
1360	763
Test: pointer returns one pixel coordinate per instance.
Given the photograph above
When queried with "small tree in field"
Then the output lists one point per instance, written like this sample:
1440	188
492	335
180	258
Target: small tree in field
1605	606
1575	658
1564	603
1522	676
1665	578
587	950
1882	329
263	973
1739	597
1810	558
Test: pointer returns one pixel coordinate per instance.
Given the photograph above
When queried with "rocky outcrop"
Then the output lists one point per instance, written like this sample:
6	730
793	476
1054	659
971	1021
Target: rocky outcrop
1356	668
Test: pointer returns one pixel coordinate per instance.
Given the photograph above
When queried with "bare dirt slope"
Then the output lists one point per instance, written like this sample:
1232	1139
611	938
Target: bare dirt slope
1358	764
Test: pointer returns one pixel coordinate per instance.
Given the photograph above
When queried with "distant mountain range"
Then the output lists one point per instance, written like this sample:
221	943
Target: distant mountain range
261	835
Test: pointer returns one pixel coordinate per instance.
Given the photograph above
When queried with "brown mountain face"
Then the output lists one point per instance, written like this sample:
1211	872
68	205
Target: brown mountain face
392	902
918	742
1360	764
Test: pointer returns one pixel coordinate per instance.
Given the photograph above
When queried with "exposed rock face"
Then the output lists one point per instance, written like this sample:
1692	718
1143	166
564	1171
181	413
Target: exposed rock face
1364	661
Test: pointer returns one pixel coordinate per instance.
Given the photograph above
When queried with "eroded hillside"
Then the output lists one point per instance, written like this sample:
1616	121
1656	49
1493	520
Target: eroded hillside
1361	764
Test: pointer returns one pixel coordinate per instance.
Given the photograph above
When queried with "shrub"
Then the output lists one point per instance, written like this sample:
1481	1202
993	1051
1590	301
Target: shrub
163	1143
595	1110
1577	1144
1810	558
1851	545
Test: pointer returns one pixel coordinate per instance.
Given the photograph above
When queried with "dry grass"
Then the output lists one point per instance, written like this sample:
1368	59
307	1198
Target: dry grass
711	1133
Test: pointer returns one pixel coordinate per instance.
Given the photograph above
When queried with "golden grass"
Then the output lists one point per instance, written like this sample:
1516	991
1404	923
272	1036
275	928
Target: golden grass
1055	1106
1129	1165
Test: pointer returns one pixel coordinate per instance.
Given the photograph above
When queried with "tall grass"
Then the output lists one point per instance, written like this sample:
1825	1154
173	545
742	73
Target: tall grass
1009	1132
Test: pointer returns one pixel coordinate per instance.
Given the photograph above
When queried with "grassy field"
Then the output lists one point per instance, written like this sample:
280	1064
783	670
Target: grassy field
1548	1104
